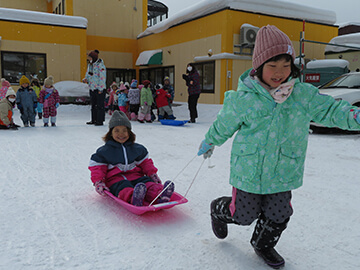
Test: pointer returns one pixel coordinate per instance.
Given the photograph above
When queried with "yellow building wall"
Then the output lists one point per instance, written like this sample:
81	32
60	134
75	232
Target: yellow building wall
121	51
194	38
111	18
183	53
113	27
34	5
182	43
64	47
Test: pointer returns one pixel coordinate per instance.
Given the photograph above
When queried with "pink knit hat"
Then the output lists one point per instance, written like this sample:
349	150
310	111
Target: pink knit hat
122	87
5	83
270	42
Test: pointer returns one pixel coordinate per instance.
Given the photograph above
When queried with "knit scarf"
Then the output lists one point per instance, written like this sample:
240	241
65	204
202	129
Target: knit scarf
280	93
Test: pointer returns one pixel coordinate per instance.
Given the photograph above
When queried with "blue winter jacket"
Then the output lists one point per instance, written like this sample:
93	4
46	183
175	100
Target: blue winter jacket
26	97
122	99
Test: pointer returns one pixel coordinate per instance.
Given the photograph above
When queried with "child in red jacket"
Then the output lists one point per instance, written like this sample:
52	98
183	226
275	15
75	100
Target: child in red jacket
162	102
124	167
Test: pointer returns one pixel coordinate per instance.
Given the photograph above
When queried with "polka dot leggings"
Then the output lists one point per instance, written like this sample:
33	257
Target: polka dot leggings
245	207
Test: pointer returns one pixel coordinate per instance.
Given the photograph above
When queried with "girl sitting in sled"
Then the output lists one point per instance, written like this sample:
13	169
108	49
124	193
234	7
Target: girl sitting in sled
124	168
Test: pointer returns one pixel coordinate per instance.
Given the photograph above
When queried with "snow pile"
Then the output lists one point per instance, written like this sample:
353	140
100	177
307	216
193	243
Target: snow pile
352	40
72	88
275	7
52	218
18	15
349	24
327	63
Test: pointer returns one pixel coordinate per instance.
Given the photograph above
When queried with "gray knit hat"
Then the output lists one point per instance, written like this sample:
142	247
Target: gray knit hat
119	118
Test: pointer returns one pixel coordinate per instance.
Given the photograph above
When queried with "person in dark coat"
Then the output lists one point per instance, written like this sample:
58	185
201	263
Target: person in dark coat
192	79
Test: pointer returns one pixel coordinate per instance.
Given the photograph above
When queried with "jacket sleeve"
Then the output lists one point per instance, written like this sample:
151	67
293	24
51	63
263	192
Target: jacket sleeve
228	121
18	97
4	115
148	167
142	96
34	96
57	97
87	75
144	162
41	96
100	79
327	111
98	167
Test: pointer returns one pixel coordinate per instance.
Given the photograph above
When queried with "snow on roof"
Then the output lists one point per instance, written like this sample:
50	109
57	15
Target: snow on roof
349	24
18	15
348	40
221	56
274	7
325	63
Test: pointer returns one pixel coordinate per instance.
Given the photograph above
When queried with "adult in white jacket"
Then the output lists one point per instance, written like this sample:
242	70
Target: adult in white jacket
96	79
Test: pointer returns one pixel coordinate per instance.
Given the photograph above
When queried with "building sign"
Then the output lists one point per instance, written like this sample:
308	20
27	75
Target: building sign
312	77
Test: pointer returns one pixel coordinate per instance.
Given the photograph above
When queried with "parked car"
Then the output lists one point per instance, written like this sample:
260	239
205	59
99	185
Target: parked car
73	92
345	87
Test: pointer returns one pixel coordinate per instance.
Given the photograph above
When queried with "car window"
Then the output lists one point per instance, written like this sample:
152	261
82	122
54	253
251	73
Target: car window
344	81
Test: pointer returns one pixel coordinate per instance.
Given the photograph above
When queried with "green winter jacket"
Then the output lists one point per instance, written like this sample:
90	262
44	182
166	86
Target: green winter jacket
146	96
269	148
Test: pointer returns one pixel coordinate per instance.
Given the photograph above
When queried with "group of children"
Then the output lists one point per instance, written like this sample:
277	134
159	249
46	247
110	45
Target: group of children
138	101
269	114
30	99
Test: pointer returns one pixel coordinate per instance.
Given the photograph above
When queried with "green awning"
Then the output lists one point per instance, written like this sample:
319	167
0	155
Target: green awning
153	57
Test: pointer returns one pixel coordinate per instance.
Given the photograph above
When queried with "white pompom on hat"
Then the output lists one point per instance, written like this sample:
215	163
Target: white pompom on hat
49	80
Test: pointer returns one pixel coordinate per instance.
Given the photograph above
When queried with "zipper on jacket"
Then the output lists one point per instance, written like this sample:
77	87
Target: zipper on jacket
126	158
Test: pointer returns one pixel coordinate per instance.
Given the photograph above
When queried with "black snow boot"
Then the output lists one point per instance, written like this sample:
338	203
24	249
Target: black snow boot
265	237
220	216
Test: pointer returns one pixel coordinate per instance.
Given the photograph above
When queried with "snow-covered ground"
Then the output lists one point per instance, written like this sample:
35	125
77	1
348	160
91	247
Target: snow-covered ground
51	217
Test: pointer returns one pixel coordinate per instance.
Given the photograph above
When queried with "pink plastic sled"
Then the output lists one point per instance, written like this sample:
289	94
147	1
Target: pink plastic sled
176	199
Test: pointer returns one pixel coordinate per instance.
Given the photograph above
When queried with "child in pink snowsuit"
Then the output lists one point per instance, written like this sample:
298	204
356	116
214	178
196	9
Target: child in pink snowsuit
124	167
112	97
49	97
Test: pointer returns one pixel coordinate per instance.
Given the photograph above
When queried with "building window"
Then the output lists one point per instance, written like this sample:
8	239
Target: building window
119	75
207	76
157	75
16	64
60	8
157	12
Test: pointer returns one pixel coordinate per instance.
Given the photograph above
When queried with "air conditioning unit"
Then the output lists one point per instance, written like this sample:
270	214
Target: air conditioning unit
248	34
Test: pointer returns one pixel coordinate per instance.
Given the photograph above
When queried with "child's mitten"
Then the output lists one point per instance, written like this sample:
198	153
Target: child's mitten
155	178
205	149
100	187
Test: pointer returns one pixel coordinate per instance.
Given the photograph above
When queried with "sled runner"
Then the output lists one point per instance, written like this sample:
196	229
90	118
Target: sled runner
173	122
176	199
